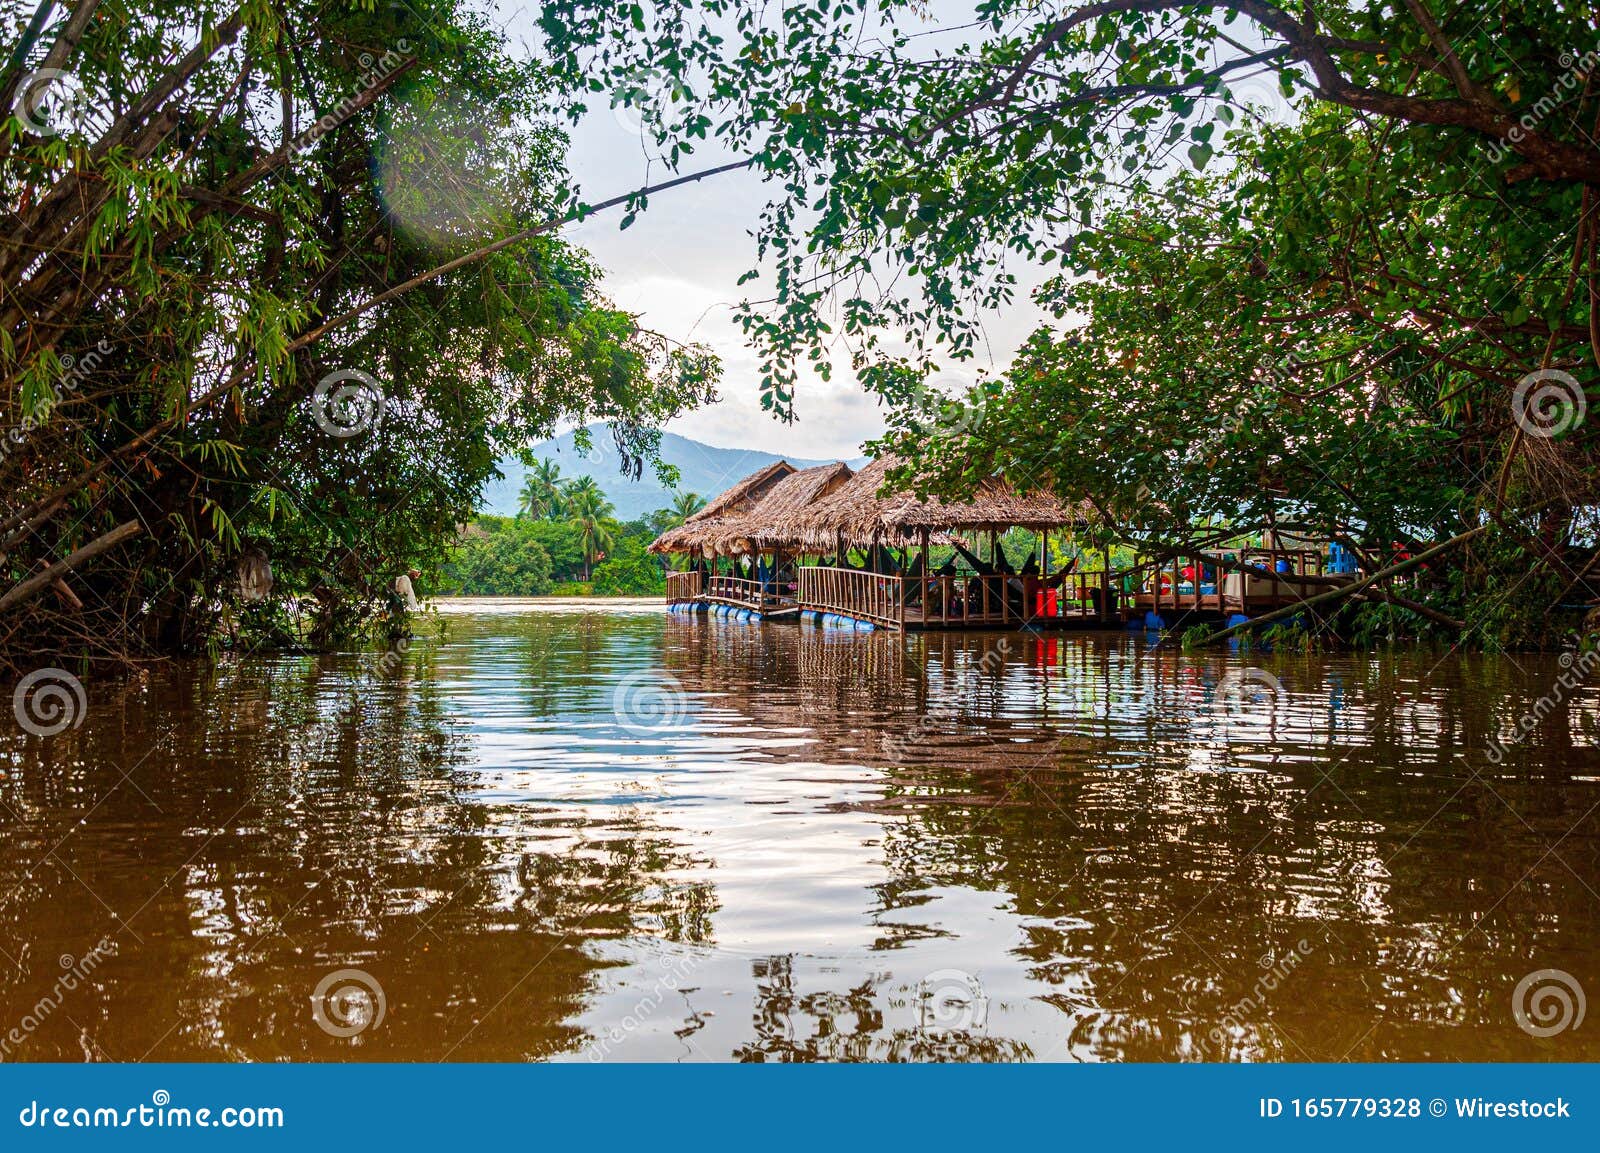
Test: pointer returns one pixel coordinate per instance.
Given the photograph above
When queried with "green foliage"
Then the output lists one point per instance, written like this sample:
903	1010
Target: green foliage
563	543
1305	260
230	273
630	571
543	494
506	561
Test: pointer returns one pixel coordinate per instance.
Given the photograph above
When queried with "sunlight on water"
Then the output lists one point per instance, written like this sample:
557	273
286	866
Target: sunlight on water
624	835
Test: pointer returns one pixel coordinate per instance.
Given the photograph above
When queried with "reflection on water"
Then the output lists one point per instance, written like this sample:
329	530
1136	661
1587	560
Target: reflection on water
627	836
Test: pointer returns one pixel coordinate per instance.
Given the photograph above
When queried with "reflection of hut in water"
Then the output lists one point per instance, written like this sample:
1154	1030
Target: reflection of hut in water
871	1021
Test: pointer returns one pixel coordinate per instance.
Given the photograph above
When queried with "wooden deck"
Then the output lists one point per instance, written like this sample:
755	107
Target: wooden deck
962	601
1096	599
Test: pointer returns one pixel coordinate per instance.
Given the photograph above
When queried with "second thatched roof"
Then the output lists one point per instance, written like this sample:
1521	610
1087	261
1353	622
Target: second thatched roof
695	532
812	509
769	524
858	513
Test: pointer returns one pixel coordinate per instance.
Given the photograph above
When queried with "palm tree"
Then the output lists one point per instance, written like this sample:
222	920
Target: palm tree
686	504
582	489
542	491
590	512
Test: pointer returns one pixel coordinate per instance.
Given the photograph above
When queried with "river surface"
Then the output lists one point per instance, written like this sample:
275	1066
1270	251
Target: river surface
566	833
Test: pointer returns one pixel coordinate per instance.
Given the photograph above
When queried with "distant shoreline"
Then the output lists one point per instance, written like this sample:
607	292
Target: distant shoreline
549	604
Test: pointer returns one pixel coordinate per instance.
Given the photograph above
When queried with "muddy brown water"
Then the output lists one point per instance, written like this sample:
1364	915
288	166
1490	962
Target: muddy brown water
563	832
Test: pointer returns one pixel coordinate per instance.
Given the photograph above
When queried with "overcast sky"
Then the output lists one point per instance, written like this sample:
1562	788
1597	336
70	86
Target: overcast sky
678	267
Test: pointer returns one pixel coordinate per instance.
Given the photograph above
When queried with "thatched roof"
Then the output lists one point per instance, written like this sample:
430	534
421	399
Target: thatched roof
781	508
862	515
744	495
730	503
770	524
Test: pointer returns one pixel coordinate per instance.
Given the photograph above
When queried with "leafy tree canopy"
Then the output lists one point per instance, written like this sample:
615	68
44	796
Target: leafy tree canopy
281	281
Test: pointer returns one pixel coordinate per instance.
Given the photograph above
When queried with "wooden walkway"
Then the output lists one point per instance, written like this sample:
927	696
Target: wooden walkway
1097	599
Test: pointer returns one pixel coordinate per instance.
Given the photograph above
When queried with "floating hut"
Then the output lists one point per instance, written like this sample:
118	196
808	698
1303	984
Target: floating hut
780	543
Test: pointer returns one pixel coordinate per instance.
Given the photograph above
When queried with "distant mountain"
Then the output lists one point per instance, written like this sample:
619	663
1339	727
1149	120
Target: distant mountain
702	468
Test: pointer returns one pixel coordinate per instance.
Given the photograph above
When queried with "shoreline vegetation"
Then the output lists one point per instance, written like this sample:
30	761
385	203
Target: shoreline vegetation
272	315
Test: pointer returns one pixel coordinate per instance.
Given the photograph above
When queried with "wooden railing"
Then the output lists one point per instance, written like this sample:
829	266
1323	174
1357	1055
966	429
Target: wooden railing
763	596
864	595
684	586
1184	583
957	599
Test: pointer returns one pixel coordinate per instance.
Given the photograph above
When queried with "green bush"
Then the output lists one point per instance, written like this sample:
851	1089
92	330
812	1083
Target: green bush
629	571
506	562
